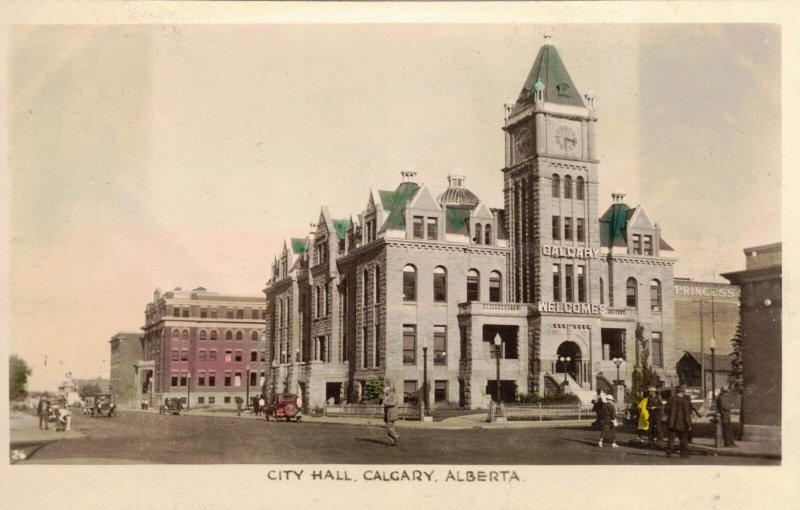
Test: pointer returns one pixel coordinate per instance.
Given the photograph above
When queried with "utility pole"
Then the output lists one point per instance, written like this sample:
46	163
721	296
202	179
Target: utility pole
702	353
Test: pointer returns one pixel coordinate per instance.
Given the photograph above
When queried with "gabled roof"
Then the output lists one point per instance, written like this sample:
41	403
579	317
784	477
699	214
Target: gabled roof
558	87
341	227
457	220
722	362
299	245
613	225
394	203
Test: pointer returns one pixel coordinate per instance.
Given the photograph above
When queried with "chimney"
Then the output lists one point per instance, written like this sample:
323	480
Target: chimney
617	197
409	175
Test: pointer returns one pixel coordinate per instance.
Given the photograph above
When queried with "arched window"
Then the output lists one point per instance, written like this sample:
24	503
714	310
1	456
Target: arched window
239	336
364	287
567	186
473	285
409	283
495	287
213	334
478	234
579	188
377	294
556	186
440	285
488	234
202	334
254	336
602	293
655	296
176	334
630	293
228	335
185	334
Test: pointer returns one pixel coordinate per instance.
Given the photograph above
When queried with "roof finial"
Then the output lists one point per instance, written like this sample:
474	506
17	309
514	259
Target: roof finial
547	37
617	197
408	175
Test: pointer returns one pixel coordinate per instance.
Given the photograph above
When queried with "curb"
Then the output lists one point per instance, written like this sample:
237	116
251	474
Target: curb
731	452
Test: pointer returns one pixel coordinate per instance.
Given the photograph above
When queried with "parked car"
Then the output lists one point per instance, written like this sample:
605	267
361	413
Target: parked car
284	406
103	405
697	399
172	405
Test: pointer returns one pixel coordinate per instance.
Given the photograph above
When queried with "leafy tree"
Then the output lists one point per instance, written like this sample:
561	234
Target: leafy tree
18	372
373	390
736	377
89	390
643	375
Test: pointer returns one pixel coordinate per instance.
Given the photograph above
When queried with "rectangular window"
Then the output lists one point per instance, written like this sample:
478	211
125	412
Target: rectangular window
328	300
240	313
238	356
253	378
184	378
176	312
201	400
254	314
658	354
175	354
203	313
212	380
212	355
201	355
433	228
201	379
376	362
237	379
227	379
581	284
440	345
637	244
568	229
409	344
226	400
568	268
185	312
556	282
212	400
184	355
579	229
214	314
556	228
174	380
648	245
253	355
263	356
228	355
418	227
364	344
229	313
410	391
440	391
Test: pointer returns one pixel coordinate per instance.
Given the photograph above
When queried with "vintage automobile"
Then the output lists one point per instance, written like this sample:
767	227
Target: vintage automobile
172	405
103	405
285	406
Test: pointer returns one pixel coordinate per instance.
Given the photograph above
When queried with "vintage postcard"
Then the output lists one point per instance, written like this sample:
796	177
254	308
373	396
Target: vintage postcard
343	262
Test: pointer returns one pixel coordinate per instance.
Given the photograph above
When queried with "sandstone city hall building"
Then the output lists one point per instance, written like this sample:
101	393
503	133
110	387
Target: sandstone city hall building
428	279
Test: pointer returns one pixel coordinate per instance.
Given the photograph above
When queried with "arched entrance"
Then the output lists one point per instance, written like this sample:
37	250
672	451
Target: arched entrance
573	366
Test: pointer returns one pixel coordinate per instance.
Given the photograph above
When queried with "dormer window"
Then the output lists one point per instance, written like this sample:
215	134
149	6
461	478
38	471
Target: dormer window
648	245
563	89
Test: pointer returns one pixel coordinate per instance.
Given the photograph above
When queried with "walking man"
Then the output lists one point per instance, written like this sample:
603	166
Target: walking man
608	422
724	406
43	411
679	421
390	413
655	408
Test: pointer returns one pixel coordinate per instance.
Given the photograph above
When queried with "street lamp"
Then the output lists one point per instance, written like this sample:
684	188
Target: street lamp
425	379
618	362
497	342
247	389
713	347
564	362
188	389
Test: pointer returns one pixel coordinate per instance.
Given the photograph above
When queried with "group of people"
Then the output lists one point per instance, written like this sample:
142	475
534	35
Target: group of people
607	418
63	416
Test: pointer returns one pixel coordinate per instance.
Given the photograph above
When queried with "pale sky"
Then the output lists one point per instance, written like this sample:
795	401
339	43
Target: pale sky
162	156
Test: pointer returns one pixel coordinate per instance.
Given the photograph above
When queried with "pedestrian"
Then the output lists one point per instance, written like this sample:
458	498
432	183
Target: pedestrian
679	421
256	406
390	413
44	412
608	420
695	411
655	408
724	406
597	407
643	423
262	404
238	406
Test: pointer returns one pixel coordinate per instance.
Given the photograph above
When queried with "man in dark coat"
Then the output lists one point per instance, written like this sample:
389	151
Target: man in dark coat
608	420
679	421
655	407
390	413
43	410
724	406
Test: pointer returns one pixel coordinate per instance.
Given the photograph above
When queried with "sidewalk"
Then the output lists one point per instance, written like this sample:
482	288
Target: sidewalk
769	450
24	430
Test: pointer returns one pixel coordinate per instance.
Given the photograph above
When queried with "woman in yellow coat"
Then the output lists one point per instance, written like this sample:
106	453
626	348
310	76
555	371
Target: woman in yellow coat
644	419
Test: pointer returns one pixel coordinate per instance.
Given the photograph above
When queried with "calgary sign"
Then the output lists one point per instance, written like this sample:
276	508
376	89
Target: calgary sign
571	251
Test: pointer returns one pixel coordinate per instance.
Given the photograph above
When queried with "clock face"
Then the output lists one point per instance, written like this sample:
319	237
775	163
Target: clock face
566	138
523	142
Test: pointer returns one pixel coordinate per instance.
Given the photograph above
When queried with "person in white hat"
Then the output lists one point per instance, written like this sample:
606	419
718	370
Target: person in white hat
608	416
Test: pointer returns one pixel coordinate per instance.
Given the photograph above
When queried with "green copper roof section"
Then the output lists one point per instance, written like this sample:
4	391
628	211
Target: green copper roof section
395	203
341	227
457	220
558	87
299	245
613	226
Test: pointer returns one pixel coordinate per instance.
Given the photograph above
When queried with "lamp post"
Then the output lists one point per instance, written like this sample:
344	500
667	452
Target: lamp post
247	389
425	378
618	362
498	341
188	389
713	347
564	362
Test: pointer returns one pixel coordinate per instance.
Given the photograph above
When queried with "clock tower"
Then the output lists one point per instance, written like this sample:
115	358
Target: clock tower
550	186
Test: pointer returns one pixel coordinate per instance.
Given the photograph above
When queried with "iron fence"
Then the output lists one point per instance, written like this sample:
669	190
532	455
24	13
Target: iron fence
362	410
541	412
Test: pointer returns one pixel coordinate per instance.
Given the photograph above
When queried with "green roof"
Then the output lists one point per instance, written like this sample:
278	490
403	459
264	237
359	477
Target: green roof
613	225
395	203
341	227
558	86
457	220
299	245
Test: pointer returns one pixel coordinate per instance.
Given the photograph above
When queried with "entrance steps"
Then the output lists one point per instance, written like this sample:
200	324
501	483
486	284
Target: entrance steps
584	395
